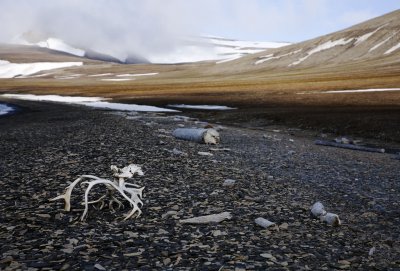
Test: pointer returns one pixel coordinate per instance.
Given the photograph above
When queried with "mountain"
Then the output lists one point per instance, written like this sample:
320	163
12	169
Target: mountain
38	39
362	56
375	41
194	49
215	49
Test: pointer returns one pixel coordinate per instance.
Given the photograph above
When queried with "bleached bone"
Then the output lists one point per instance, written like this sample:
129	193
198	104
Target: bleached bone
207	136
67	195
131	192
216	218
318	210
331	219
265	223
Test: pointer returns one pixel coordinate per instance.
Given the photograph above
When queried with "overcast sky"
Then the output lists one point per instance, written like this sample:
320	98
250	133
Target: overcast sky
155	25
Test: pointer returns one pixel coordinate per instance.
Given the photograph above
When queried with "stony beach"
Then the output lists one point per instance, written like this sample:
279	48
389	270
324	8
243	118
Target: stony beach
279	175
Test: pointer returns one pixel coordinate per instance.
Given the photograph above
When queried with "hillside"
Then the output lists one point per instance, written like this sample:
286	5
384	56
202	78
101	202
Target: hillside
280	84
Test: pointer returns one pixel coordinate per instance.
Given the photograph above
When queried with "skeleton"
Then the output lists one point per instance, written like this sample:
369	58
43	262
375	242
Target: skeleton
131	192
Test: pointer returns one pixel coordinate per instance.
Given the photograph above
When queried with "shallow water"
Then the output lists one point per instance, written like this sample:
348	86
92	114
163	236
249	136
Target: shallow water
5	109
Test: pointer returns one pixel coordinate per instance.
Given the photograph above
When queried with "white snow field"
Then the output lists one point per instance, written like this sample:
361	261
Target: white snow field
96	102
201	107
137	74
12	70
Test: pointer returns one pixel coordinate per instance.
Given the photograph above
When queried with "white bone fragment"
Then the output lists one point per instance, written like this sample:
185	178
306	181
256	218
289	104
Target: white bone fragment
202	153
207	136
215	218
318	209
331	219
265	223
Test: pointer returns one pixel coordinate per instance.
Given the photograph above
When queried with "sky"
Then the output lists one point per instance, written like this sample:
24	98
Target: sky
146	26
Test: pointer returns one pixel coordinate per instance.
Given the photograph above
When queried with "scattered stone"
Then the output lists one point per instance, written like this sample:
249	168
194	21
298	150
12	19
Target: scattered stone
371	251
268	256
229	183
169	214
202	153
265	223
284	226
215	218
217	233
99	267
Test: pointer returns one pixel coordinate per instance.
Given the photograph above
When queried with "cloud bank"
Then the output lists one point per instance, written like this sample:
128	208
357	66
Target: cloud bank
119	28
155	27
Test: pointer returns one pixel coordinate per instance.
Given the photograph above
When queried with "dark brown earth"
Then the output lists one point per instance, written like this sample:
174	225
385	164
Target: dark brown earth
279	175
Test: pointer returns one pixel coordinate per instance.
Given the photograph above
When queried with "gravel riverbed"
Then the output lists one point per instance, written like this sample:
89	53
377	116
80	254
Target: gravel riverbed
278	175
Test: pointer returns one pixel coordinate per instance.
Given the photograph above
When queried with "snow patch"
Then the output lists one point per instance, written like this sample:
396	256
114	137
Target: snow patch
322	47
11	70
72	76
118	79
61	46
100	75
383	42
229	59
391	50
367	36
137	74
201	107
247	44
53	98
128	107
271	57
96	102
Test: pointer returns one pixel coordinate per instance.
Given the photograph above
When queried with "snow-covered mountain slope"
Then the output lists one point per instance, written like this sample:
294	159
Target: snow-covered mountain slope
55	44
209	48
189	50
374	40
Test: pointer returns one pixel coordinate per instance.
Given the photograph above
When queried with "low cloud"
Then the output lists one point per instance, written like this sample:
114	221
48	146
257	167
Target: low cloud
156	27
119	28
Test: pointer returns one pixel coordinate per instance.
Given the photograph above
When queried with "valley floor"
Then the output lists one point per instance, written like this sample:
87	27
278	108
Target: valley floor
279	175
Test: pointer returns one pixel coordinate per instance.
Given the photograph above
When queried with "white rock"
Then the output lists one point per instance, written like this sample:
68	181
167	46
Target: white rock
265	223
205	153
371	251
99	267
229	183
207	218
318	209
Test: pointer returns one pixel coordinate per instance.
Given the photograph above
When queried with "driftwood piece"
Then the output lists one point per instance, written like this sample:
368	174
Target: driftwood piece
348	146
207	136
